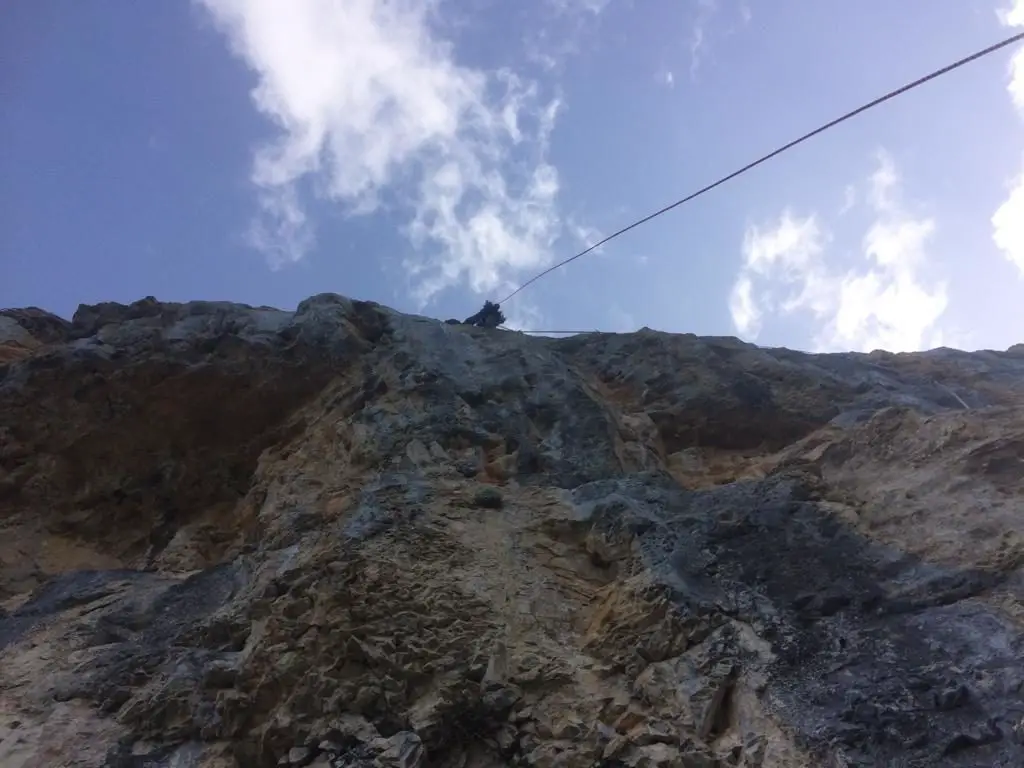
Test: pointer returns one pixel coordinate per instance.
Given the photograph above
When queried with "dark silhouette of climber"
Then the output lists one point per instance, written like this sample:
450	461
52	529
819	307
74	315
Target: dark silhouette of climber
488	317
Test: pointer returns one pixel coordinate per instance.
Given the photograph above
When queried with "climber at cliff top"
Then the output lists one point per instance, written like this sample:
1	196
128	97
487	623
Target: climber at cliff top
488	317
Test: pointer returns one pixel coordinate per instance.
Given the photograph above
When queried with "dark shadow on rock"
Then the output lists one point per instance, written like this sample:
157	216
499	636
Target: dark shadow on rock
877	653
68	590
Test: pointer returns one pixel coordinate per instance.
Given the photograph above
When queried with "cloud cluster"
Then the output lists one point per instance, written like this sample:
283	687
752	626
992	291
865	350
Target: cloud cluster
1008	220
572	6
369	101
706	10
887	304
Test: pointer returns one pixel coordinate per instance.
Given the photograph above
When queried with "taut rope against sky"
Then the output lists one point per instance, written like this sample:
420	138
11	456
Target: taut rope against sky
880	100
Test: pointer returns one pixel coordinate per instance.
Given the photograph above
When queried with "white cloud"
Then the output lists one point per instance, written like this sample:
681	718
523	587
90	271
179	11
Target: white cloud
1008	224
746	314
367	99
574	6
705	10
561	29
886	305
283	233
523	315
586	236
1012	16
792	245
849	199
883	184
1008	220
1016	84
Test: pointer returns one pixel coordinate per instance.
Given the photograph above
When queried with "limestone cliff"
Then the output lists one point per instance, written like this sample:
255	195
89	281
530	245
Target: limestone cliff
343	536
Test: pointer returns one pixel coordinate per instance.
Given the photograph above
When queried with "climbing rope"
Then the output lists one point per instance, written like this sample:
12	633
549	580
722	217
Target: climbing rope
892	94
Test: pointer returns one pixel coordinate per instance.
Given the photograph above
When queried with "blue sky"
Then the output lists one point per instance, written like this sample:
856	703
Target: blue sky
428	155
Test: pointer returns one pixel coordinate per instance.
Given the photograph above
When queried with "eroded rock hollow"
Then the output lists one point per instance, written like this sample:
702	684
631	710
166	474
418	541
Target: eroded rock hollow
344	536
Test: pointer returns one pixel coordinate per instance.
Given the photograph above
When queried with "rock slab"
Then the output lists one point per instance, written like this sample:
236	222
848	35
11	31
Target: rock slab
344	536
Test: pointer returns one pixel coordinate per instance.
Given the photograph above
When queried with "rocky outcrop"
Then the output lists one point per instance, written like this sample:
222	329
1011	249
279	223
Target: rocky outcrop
343	536
24	330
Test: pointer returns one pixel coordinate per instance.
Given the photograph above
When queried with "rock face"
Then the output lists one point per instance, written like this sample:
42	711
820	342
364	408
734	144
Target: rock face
343	536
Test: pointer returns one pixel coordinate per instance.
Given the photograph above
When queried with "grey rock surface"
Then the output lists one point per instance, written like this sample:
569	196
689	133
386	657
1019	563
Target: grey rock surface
345	536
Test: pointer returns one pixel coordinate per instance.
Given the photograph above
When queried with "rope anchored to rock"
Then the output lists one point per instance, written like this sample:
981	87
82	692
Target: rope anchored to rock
490	316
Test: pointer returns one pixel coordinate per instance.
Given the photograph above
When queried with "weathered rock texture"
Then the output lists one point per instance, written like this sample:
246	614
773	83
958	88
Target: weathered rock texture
343	536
